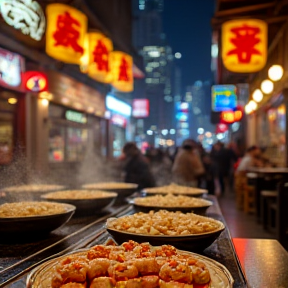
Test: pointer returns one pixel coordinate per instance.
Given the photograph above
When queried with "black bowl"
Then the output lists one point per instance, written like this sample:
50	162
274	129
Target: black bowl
35	224
193	242
198	192
85	206
23	193
122	192
199	210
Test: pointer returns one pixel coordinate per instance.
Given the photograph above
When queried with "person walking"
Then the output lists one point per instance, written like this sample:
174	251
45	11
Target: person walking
136	167
187	167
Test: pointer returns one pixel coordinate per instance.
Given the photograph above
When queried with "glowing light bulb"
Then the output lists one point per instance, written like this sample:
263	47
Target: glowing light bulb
257	95
267	86
275	72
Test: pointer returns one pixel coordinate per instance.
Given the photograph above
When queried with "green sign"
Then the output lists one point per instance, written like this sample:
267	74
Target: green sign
75	116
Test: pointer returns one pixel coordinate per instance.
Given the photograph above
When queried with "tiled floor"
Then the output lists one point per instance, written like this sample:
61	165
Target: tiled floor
240	224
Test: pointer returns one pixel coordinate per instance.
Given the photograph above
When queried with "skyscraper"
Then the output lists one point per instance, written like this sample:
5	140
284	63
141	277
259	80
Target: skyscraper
149	40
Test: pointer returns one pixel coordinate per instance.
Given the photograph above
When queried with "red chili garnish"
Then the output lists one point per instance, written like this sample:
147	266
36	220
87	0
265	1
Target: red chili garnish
173	263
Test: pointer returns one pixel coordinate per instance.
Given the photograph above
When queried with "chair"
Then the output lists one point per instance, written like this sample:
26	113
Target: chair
267	198
239	184
249	193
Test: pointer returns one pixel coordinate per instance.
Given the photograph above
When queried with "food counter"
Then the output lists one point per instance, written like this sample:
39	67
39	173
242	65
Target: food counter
17	260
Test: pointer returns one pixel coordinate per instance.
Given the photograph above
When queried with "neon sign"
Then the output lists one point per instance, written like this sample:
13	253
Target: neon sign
75	116
24	15
11	66
35	81
223	97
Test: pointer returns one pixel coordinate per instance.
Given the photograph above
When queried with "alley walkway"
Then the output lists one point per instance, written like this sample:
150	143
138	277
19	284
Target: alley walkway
239	223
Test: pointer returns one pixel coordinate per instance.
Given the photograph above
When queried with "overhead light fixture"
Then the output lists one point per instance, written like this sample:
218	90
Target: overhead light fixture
267	86
257	95
253	105
12	100
45	102
275	72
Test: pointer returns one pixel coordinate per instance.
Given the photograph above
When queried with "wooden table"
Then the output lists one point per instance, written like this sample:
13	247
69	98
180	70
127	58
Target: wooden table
264	262
269	170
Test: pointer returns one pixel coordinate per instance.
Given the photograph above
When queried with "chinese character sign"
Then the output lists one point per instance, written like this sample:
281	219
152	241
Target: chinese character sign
122	71
99	66
66	28
244	45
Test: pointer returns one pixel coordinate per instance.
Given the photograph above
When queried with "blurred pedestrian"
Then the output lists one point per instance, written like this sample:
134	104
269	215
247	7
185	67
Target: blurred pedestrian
136	167
223	159
209	176
161	166
187	167
252	158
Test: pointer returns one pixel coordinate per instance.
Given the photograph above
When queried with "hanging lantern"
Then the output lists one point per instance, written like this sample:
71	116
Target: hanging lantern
244	45
122	71
66	28
99	66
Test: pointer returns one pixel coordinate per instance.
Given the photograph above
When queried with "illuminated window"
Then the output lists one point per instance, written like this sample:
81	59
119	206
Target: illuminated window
148	80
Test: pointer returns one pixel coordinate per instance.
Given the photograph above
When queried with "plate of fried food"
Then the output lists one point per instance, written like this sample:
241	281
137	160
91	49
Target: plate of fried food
166	227
130	265
171	202
85	201
176	189
122	189
33	217
29	191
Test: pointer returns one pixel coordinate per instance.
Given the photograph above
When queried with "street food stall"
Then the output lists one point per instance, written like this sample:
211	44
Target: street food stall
31	249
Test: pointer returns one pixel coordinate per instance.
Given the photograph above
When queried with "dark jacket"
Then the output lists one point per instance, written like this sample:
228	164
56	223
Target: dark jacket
137	171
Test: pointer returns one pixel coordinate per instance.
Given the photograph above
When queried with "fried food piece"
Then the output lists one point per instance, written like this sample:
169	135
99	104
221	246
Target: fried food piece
174	284
103	282
199	270
70	270
146	266
99	251
143	282
176	271
122	271
98	267
151	281
74	285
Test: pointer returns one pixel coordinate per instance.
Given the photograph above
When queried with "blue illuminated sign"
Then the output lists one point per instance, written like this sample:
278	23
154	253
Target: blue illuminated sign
223	97
118	106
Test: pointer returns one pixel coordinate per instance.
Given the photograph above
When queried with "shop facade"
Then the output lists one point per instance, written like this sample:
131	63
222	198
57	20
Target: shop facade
64	126
267	124
120	123
11	105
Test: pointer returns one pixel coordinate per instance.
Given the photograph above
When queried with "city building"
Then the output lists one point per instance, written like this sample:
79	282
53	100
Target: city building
157	87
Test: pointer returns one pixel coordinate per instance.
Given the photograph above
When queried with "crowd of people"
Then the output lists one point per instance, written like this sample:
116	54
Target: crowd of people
189	165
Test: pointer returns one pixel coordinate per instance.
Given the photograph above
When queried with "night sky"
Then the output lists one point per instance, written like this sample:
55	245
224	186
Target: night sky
188	31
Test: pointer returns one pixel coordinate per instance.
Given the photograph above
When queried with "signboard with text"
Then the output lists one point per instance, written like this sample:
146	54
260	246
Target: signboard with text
223	97
140	108
11	69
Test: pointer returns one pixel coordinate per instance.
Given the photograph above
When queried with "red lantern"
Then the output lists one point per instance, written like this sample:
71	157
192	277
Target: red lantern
230	116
